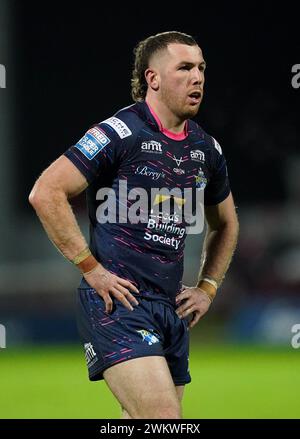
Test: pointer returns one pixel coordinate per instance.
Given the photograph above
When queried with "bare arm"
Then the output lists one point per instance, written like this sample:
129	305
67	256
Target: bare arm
219	247
49	197
221	239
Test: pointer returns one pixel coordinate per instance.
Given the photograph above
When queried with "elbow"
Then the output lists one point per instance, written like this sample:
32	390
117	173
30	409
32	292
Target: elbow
39	194
34	197
44	193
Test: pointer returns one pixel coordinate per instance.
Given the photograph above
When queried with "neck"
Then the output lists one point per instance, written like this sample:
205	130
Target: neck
168	120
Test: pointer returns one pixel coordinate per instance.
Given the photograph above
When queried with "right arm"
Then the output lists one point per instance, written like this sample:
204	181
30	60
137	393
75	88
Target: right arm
49	197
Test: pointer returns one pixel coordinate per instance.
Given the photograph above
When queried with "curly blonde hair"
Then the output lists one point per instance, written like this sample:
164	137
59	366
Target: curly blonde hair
143	52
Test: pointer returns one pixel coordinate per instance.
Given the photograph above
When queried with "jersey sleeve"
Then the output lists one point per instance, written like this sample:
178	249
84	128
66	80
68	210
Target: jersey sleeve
100	149
218	187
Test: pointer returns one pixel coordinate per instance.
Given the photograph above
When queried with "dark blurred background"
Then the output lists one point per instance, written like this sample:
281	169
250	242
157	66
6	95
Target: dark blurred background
69	66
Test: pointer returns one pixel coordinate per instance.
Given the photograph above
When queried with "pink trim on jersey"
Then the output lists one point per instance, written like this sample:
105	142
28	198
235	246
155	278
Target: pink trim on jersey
180	136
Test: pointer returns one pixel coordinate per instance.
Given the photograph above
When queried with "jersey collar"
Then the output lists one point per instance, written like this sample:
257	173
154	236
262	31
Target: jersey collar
154	119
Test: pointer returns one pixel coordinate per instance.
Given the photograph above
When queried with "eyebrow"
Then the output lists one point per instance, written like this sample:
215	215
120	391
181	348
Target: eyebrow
203	63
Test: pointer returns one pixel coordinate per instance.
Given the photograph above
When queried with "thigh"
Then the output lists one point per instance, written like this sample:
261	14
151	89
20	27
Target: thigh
144	387
180	391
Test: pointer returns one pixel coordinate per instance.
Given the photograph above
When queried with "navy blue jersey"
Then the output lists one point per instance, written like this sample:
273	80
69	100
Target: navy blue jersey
130	156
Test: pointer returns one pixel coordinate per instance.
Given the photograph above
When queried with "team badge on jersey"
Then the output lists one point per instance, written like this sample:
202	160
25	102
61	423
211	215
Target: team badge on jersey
92	142
148	337
201	180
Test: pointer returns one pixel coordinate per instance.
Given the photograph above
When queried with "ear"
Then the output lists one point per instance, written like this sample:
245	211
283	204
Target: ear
152	79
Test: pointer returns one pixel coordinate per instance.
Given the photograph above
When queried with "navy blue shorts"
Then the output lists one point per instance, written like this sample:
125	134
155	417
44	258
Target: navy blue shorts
153	328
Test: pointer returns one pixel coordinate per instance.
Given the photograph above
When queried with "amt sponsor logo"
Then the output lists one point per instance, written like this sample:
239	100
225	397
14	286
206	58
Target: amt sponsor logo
197	156
151	147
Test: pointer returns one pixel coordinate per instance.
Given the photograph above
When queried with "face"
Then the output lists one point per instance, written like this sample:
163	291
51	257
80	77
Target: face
180	79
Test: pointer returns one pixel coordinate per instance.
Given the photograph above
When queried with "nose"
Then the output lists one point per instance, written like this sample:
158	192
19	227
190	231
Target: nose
197	76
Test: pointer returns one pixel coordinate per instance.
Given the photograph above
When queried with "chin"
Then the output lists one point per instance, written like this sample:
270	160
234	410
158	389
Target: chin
191	112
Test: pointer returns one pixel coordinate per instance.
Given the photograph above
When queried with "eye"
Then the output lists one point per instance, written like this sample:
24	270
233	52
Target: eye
184	67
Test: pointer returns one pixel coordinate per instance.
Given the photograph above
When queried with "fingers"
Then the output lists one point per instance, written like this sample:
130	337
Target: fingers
127	294
191	307
108	302
119	296
107	283
185	294
195	319
185	310
187	303
127	284
191	302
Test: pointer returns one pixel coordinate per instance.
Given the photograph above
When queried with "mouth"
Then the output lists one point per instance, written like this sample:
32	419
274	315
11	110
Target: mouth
195	96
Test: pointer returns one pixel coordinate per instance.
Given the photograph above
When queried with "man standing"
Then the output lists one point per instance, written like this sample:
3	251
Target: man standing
133	311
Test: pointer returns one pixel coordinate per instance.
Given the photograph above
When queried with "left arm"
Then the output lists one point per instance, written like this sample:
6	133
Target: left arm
219	247
221	239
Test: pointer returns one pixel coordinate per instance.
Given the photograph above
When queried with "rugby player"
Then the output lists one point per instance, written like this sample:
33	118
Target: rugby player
134	314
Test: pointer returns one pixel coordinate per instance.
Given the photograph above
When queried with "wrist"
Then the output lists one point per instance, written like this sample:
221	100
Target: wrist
85	261
209	286
88	265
